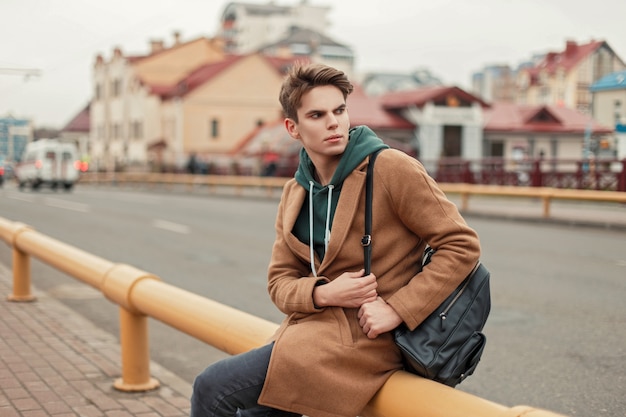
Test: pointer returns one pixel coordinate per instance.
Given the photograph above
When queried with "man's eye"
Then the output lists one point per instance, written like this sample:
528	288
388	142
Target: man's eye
340	111
315	115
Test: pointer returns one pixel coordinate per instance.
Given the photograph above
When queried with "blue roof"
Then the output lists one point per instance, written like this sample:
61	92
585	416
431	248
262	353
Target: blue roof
613	81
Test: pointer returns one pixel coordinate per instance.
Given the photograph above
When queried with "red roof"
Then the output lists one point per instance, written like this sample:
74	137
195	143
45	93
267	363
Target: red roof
195	79
136	58
366	110
566	60
515	118
420	96
80	122
206	72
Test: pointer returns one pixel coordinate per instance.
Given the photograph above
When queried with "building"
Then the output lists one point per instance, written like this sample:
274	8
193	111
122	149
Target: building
314	46
15	133
214	108
125	111
609	108
523	132
77	131
448	120
246	27
377	83
563	78
495	83
155	111
194	99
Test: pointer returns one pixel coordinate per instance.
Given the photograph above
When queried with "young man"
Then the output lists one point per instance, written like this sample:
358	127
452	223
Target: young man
335	349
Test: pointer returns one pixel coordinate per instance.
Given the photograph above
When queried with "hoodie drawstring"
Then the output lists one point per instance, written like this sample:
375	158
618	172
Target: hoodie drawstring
311	229
327	231
327	228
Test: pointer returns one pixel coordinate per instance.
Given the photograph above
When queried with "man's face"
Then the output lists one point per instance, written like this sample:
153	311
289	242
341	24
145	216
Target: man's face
323	123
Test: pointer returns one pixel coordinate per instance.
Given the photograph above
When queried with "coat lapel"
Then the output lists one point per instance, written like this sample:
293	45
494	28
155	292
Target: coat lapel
292	210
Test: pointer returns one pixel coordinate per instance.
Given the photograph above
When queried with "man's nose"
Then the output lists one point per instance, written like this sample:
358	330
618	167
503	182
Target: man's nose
332	120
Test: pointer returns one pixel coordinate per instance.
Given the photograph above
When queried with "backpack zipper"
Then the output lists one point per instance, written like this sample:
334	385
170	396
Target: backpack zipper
444	314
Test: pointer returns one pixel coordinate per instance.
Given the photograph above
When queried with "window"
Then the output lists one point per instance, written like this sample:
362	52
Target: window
496	148
117	130
137	130
214	129
116	88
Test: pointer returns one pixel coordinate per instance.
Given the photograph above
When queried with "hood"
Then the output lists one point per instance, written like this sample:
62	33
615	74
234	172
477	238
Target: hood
315	219
362	142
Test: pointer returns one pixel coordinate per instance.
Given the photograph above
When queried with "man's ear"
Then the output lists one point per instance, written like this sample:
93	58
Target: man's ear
292	128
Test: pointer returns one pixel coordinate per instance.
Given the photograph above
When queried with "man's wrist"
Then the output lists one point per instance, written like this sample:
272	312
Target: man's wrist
318	299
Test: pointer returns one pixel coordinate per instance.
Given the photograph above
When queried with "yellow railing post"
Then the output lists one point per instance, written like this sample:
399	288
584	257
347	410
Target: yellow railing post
464	201
21	277
546	198
118	285
546	206
135	354
9	232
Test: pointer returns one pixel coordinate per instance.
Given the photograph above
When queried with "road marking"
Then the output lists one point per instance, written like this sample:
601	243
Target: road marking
28	199
172	227
68	205
135	198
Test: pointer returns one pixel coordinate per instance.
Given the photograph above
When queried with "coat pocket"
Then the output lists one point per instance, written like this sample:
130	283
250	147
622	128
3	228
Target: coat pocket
347	324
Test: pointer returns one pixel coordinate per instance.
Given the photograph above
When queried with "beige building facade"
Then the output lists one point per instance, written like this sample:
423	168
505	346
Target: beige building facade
564	78
126	112
211	119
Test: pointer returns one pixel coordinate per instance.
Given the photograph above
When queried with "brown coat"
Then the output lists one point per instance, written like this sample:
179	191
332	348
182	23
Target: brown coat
323	365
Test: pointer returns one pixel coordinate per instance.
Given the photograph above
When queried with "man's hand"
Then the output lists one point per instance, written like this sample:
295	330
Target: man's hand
350	289
378	317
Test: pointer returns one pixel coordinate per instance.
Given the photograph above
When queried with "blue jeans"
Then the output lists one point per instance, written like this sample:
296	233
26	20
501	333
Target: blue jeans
231	387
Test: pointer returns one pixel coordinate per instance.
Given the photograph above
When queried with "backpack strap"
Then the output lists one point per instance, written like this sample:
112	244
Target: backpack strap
366	240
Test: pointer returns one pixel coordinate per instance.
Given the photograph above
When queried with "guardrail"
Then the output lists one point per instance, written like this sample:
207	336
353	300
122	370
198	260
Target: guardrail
271	185
237	182
141	294
547	195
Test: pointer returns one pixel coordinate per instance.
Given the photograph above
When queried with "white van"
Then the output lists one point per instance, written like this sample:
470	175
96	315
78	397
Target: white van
49	162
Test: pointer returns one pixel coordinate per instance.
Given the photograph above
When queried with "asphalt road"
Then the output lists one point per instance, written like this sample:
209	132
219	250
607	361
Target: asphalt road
556	334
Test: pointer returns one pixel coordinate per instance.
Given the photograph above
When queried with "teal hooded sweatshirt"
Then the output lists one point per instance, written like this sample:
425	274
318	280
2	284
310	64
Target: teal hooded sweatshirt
323	199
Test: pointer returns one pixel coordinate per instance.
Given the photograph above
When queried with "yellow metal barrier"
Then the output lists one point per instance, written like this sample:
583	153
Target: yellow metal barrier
237	182
141	294
546	194
271	184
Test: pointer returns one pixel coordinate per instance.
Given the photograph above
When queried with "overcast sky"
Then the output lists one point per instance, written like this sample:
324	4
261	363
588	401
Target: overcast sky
452	38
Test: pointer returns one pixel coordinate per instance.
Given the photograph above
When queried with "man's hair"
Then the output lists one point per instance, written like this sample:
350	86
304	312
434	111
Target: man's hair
302	78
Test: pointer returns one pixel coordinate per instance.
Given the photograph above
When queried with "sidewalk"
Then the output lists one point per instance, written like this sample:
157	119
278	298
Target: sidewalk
54	362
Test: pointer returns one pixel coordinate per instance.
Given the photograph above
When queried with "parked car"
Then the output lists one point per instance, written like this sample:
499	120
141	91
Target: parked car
49	162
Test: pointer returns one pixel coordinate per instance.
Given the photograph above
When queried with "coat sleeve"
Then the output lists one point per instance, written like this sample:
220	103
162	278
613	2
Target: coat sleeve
290	282
423	208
